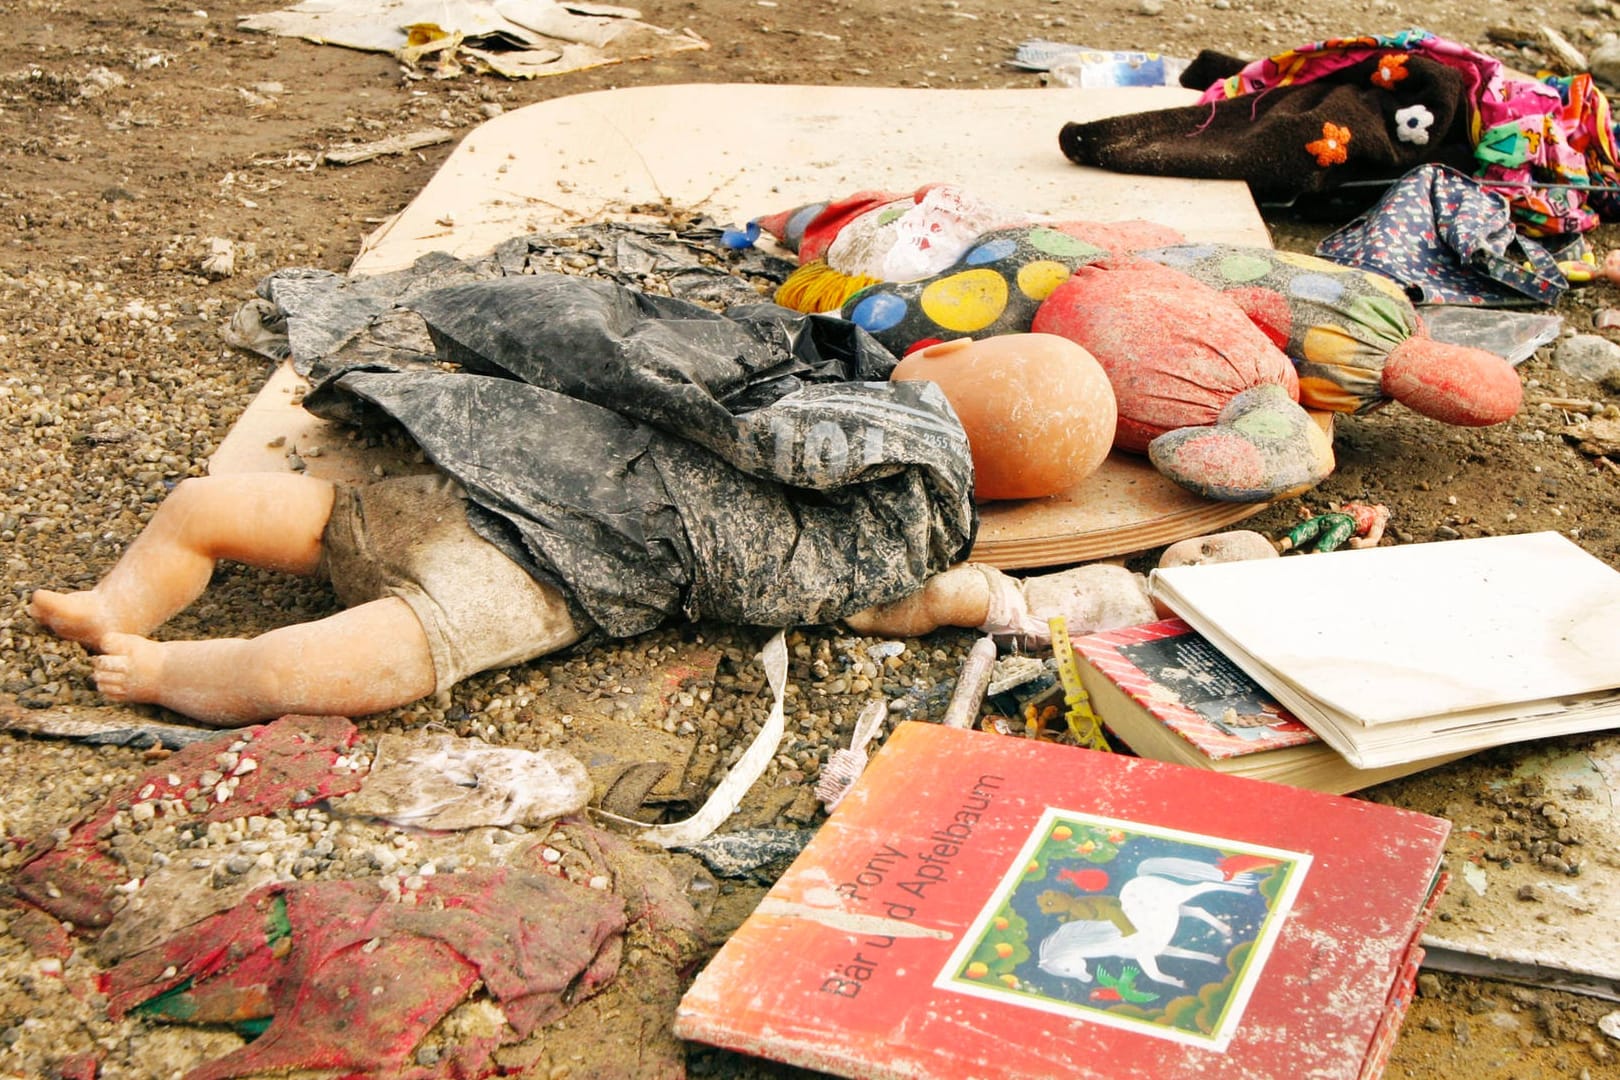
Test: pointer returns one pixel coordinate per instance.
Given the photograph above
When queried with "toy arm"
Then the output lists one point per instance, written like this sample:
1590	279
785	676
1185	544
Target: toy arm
1452	383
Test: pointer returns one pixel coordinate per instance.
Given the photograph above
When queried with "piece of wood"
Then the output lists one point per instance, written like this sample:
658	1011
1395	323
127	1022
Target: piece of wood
113	726
1585	405
1125	506
1566	58
354	153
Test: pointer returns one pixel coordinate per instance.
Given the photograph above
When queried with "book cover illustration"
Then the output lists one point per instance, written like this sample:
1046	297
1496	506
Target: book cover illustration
1179	677
963	915
1156	931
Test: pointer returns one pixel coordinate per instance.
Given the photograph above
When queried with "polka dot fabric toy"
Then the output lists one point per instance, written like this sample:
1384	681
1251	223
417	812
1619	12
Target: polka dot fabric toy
994	288
1355	337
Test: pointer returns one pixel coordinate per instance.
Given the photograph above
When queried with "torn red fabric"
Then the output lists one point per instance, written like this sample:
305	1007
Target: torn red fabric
289	762
76	1067
353	976
45	937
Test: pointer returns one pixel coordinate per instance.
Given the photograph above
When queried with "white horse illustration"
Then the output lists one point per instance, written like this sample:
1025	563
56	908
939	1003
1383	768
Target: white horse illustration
1154	904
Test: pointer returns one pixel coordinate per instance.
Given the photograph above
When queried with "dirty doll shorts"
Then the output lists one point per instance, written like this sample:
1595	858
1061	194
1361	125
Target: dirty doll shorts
408	537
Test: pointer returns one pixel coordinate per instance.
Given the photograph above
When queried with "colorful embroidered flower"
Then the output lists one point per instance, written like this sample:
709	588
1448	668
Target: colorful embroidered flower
1330	148
1391	70
1412	124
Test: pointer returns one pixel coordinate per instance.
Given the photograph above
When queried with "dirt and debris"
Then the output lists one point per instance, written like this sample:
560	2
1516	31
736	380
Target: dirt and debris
156	161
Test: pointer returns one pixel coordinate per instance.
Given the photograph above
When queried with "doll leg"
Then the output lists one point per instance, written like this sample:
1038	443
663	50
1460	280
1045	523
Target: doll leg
1097	596
959	596
360	661
268	520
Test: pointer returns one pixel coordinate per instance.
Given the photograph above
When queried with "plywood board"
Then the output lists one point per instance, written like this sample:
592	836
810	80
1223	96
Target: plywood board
1123	507
735	152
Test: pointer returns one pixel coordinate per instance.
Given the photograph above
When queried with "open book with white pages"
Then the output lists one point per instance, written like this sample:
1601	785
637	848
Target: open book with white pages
1393	654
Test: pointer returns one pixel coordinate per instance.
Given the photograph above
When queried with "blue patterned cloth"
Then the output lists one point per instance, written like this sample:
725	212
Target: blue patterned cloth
1448	241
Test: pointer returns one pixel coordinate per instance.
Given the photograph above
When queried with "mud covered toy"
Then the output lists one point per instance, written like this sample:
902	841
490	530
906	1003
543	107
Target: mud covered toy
1181	347
1177	352
994	288
874	237
1201	390
1356	338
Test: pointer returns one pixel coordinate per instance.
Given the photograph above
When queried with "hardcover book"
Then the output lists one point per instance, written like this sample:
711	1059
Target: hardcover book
1394	654
992	907
1167	693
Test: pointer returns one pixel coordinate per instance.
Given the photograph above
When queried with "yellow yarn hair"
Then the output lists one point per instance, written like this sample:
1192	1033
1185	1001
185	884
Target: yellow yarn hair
816	287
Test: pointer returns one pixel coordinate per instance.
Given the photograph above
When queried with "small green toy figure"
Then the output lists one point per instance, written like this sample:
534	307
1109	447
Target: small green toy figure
1362	524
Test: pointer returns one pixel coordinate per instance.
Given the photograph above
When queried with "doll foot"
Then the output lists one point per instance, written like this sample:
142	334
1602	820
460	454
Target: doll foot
1097	596
129	668
1262	446
76	616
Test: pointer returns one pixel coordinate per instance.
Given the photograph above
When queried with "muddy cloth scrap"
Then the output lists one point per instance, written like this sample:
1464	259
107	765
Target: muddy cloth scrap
350	976
1372	107
650	456
292	762
354	975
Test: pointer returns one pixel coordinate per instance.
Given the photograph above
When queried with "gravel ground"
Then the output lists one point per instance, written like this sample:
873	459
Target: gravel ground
133	132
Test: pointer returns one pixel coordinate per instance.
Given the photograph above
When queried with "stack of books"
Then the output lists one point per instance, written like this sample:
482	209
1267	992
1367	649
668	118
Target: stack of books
1166	693
1394	655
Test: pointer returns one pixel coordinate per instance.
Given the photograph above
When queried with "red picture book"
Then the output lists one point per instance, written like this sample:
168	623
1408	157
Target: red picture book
1167	693
991	907
1190	688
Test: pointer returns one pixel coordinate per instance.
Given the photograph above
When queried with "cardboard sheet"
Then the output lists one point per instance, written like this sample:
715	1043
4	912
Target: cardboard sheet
1511	914
735	152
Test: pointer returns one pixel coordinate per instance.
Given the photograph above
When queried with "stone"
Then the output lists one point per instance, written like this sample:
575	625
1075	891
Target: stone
1233	546
1604	64
1588	356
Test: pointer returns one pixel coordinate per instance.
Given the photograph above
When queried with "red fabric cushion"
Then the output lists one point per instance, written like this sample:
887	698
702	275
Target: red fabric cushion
1175	350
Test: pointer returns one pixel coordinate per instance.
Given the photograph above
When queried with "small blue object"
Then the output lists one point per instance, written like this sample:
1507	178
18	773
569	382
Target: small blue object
737	239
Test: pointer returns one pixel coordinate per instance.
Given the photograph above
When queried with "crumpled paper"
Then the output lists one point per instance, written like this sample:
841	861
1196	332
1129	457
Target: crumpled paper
519	39
439	781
